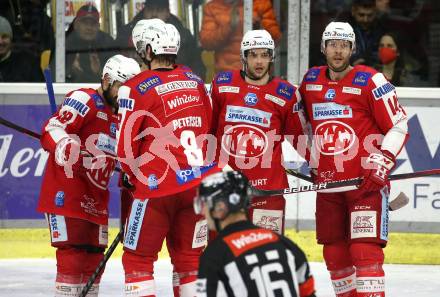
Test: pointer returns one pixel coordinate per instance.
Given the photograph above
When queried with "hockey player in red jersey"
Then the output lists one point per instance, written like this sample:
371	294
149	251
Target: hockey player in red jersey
74	194
163	112
359	128
252	113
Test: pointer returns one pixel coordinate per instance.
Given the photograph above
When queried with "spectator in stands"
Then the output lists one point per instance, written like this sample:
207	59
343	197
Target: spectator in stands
16	66
414	18
382	6
87	47
222	29
368	31
391	59
189	53
31	27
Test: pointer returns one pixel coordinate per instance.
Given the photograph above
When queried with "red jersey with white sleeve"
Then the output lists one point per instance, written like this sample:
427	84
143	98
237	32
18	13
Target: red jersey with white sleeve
250	123
164	118
350	119
85	117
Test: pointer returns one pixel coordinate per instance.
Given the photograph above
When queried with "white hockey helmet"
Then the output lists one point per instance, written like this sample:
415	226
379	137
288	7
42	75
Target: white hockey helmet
163	38
257	39
120	68
338	31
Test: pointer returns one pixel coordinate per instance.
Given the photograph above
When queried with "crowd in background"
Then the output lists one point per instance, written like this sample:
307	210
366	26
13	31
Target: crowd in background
398	37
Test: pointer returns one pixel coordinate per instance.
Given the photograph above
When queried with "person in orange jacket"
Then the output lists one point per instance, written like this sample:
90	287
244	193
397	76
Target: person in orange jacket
222	29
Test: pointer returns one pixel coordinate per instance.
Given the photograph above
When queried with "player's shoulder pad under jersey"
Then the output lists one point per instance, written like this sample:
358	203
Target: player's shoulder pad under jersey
312	74
223	77
78	100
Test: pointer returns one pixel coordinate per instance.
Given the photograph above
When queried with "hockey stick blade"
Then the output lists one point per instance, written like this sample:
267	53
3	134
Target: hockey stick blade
400	201
101	264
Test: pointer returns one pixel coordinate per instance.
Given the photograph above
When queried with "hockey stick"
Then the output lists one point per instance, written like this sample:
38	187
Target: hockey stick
101	264
18	128
299	175
343	183
50	92
124	210
28	132
313	187
400	201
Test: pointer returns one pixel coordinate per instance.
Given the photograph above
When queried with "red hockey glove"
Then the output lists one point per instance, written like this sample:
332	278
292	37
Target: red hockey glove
70	153
377	171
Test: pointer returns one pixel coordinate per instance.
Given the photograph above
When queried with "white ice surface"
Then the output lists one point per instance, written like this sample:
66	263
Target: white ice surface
35	277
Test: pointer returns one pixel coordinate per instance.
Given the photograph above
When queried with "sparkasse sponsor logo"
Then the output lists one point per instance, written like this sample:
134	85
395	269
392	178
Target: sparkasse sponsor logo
131	238
247	115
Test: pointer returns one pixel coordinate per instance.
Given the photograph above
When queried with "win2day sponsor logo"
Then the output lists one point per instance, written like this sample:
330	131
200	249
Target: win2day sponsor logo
177	101
325	111
241	114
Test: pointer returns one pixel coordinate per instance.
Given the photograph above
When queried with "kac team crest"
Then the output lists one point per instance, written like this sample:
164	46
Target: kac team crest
244	141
